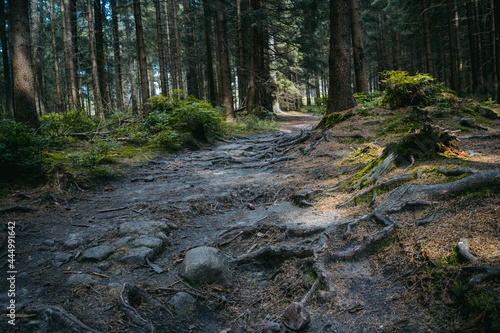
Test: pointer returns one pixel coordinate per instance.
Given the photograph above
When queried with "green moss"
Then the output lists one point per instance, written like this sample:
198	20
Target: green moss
482	302
335	118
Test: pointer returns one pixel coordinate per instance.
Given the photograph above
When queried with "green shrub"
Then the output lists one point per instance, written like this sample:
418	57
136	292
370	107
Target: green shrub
184	115
403	90
369	100
252	124
98	154
60	124
168	139
21	149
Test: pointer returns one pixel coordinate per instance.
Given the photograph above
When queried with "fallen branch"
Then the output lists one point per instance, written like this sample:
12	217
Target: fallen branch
456	171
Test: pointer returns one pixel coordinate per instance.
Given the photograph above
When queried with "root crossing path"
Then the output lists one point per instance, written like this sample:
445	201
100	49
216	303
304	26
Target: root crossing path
108	260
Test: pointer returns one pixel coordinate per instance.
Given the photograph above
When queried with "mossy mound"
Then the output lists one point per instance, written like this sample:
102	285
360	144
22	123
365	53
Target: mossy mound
423	145
331	120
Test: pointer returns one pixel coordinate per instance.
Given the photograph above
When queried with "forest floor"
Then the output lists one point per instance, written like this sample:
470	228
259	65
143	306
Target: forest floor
267	191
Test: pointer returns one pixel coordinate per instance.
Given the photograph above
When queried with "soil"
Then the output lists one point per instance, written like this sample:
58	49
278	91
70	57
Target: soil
244	184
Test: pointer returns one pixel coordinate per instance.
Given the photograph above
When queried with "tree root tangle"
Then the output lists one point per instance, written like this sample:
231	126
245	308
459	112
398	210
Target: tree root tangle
56	315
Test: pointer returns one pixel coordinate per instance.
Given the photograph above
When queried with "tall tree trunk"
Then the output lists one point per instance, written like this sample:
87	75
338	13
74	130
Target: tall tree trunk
69	58
242	81
474	51
177	47
171	62
36	37
9	102
141	56
318	89
358	49
496	11
227	94
99	44
117	56
24	83
75	53
427	35
208	13
339	90
161	58
132	68
192	74
94	62
253	65
56	59
456	63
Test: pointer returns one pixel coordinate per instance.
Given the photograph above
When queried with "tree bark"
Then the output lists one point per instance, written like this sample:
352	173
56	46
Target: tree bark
191	75
161	57
208	13
99	44
131	71
339	93
24	83
117	56
141	57
69	57
171	62
497	48
456	63
94	62
241	57
56	60
9	102
36	38
227	94
358	49
427	35
474	43
177	47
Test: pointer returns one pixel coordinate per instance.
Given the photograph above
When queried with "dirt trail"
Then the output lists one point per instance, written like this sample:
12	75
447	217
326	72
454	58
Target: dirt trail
198	195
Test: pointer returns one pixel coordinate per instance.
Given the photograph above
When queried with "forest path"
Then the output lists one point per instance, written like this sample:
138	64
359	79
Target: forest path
197	196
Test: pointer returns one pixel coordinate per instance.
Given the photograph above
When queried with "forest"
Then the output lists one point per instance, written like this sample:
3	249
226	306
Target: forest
250	166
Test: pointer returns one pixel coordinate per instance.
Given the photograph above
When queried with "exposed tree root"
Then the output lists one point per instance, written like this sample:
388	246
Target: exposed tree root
489	273
58	318
456	171
463	250
132	293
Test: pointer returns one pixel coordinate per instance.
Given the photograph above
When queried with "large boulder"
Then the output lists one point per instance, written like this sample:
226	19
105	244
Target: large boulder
206	264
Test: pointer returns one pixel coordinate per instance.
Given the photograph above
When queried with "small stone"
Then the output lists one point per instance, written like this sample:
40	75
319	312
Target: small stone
206	264
80	278
296	317
143	227
63	257
149	179
183	304
74	241
153	243
138	255
161	235
172	226
104	266
49	242
123	241
468	122
97	253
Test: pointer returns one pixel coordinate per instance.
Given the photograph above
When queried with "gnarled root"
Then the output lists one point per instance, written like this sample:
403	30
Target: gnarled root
56	316
129	291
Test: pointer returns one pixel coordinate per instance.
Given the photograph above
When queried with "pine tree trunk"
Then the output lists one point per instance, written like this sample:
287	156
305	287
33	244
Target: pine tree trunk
36	38
339	92
117	56
208	13
94	63
227	94
497	48
253	50
192	74
99	44
24	83
69	57
242	81
473	45
177	47
56	60
456	63
141	57
427	35
161	57
171	62
358	49
317	88
9	102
